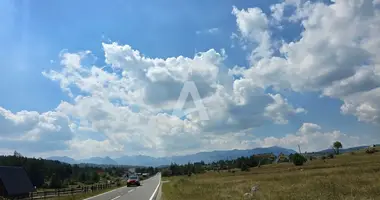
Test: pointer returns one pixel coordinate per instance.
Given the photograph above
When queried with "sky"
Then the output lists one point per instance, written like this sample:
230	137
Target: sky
102	78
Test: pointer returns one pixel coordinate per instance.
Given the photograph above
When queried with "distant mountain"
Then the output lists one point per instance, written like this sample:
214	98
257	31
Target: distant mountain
94	160
341	150
99	161
142	160
207	157
64	159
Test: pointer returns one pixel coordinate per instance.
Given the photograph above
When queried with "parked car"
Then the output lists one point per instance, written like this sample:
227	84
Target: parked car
133	180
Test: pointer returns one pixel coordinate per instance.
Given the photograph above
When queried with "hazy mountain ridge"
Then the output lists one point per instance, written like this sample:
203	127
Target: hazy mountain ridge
331	150
142	160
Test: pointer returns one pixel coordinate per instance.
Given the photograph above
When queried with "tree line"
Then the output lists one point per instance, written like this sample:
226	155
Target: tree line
54	174
243	163
150	170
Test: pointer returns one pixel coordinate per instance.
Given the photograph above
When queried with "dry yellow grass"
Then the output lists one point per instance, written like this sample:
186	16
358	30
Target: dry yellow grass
345	177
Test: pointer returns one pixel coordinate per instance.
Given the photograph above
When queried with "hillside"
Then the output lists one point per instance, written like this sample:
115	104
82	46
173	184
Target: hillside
207	157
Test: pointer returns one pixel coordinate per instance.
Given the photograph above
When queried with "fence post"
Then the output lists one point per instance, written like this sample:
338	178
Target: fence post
44	194
58	192
72	191
31	195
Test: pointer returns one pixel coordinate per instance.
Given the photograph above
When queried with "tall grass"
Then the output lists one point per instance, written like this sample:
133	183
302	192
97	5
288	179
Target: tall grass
346	177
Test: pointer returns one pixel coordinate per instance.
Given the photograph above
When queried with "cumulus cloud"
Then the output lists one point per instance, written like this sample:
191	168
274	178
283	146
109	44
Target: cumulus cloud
106	100
253	26
33	131
311	137
336	55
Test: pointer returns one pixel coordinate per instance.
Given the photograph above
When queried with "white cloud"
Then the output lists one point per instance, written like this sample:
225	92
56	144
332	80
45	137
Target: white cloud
153	85
311	138
253	26
208	31
280	109
336	55
34	132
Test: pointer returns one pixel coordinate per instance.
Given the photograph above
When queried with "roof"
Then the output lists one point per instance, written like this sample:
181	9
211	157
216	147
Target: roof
15	180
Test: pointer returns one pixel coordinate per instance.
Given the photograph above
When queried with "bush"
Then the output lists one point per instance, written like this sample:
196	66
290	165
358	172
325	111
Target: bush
66	183
55	182
331	156
370	150
244	167
166	173
298	159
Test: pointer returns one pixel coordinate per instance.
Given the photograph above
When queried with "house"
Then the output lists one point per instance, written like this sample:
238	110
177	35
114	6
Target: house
14	182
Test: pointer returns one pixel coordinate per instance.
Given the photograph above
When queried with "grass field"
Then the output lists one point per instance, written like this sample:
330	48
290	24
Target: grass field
345	177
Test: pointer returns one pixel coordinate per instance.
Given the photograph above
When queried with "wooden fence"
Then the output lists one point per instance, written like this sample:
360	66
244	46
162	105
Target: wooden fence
67	191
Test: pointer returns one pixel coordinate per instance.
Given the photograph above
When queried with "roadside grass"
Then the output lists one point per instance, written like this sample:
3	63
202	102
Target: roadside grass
346	177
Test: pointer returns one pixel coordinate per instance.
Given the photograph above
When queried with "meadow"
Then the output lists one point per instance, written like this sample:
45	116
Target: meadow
349	176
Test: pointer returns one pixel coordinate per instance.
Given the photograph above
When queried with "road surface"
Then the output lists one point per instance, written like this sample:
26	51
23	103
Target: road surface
144	192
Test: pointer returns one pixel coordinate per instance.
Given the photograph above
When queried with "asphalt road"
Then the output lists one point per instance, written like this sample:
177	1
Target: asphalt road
143	192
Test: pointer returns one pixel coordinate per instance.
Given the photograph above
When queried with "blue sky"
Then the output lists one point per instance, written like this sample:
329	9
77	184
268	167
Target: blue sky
33	33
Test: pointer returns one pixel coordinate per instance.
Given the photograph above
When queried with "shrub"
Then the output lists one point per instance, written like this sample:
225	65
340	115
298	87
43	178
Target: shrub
66	183
244	167
298	159
330	155
55	182
166	173
370	150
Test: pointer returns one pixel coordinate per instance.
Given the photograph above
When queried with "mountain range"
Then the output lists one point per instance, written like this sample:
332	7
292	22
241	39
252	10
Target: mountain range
207	157
142	160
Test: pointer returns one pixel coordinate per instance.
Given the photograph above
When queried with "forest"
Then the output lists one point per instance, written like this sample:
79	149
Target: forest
54	174
243	163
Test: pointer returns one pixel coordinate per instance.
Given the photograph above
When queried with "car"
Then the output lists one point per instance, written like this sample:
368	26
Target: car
133	180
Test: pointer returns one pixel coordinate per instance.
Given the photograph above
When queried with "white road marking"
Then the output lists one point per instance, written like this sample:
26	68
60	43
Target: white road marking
105	193
116	197
131	190
155	191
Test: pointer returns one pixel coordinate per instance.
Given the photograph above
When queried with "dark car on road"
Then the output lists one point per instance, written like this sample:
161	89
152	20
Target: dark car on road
133	180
